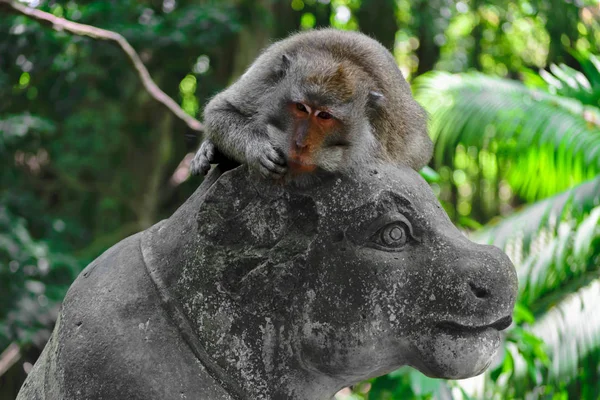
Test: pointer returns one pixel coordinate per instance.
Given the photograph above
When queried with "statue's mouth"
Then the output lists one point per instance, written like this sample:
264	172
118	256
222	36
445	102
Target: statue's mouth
498	325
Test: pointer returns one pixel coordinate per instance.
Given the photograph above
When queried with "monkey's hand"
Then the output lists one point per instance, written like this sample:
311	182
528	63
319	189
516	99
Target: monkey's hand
205	155
268	160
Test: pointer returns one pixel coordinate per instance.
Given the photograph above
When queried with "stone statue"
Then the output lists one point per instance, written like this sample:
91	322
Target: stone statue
254	290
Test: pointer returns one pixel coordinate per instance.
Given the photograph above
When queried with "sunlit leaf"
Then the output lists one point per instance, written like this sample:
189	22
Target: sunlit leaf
551	141
571	331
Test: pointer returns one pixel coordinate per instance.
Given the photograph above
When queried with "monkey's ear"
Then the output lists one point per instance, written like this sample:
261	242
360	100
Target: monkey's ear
286	61
282	68
376	99
375	105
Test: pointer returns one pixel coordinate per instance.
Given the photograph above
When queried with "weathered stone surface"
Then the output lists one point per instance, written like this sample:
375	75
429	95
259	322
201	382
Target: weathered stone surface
257	291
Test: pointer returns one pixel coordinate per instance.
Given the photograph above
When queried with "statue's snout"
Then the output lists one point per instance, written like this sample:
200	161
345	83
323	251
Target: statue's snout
484	285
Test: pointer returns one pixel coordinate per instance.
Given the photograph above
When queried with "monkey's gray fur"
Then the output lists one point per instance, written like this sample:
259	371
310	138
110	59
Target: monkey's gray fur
354	75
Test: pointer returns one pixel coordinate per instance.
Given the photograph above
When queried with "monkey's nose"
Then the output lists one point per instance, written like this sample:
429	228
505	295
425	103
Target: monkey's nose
300	143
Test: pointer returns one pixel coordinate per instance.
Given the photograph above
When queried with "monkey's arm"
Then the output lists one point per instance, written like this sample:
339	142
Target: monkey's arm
224	124
242	136
235	121
231	128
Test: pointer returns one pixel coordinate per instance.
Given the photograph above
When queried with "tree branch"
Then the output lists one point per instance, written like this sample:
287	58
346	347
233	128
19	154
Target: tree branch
9	357
61	24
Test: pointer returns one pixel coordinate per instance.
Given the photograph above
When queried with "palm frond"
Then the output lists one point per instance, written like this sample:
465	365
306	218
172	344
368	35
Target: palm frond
546	143
590	63
571	332
567	82
558	352
555	243
533	218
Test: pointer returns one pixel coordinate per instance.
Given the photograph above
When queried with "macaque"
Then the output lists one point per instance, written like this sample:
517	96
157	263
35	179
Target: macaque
318	100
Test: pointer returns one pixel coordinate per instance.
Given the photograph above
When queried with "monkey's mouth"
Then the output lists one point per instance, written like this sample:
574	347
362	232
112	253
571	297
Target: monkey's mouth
299	166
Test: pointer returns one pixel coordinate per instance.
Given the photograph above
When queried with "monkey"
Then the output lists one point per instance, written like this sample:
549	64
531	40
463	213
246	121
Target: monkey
318	100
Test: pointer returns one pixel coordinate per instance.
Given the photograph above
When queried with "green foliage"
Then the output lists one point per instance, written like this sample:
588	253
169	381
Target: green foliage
571	332
554	242
13	127
429	174
555	245
530	133
87	157
539	139
33	282
404	383
565	81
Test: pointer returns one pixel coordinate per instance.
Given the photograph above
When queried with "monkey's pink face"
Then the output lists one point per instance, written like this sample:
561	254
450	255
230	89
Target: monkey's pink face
311	126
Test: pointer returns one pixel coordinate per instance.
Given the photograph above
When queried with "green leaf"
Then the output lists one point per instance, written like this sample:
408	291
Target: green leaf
587	231
429	174
541	139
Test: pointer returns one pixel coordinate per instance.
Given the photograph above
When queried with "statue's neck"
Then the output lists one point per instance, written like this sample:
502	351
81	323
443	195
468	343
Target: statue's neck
267	366
253	355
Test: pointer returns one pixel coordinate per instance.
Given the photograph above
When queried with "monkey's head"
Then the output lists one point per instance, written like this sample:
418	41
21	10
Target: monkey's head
323	112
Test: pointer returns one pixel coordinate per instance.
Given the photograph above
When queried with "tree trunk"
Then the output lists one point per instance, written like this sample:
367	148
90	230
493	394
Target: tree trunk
477	35
149	207
428	52
561	21
377	18
322	13
287	20
254	35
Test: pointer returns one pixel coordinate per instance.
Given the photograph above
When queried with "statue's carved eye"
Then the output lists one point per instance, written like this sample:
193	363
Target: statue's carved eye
391	232
394	235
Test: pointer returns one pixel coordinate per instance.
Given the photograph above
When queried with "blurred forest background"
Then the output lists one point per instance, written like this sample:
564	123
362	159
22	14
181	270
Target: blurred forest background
87	157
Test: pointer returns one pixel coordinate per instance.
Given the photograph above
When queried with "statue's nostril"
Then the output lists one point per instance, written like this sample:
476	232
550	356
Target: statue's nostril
480	293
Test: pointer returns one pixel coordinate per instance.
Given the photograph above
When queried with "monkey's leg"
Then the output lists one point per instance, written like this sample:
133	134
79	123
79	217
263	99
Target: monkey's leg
205	156
209	154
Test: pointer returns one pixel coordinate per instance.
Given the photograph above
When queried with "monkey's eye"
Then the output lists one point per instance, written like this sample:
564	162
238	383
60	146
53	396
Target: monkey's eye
324	115
301	107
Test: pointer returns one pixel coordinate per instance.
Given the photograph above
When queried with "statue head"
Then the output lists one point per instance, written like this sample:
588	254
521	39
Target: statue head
358	275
